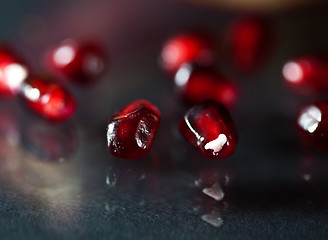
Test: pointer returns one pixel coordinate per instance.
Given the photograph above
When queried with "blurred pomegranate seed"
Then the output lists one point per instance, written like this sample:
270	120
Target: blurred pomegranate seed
48	99
186	48
199	85
81	62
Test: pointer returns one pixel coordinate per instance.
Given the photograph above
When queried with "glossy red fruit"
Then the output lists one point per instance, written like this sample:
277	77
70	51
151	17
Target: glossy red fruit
210	129
250	40
186	48
197	86
312	124
308	73
80	62
49	99
131	131
13	72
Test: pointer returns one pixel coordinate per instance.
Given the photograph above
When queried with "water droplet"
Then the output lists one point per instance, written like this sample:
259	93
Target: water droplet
213	218
111	178
215	191
110	207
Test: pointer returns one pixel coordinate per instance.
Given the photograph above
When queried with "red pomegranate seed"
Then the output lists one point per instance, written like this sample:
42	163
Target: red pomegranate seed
12	73
307	73
186	48
80	62
49	99
210	129
249	39
312	124
131	131
197	86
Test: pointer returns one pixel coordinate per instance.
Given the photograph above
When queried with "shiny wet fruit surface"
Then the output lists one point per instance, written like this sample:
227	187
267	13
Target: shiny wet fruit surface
81	62
48	99
312	124
210	129
278	188
132	130
13	72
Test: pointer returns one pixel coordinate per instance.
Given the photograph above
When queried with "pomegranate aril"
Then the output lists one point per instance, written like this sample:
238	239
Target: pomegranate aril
80	62
308	73
48	99
186	48
197	85
250	40
312	124
210	129
13	72
131	131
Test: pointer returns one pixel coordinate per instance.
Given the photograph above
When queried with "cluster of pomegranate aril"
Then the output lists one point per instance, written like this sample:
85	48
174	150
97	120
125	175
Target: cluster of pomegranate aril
248	42
193	61
190	58
307	74
81	62
197	85
131	131
45	97
210	129
194	76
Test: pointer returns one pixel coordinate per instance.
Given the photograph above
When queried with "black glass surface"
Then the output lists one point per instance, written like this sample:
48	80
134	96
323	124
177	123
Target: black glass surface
58	181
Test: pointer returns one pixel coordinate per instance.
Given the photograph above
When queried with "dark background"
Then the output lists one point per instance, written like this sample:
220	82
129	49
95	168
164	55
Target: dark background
53	177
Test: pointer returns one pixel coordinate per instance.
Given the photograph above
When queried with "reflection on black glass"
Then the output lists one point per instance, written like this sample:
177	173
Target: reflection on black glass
212	177
28	179
48	141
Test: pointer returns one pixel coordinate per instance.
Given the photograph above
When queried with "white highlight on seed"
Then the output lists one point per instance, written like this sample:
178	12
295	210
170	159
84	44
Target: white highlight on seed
15	74
170	54
64	55
199	137
142	131
31	93
110	133
45	98
217	144
182	75
310	118
292	72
